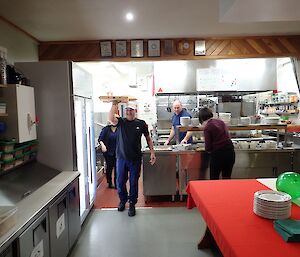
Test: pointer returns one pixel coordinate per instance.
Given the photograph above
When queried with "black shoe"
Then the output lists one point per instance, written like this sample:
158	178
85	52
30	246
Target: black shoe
131	211
121	206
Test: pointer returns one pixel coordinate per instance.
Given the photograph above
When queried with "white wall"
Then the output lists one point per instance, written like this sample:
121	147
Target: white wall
19	46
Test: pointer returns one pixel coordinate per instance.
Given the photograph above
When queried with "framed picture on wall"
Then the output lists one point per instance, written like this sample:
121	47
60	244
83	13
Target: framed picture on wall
137	48
121	48
154	48
168	48
105	49
200	47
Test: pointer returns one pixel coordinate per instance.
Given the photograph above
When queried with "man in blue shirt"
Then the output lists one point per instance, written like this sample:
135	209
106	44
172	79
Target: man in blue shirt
129	155
178	113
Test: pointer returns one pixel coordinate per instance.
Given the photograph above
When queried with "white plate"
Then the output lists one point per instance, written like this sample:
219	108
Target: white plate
272	204
272	196
272	215
272	211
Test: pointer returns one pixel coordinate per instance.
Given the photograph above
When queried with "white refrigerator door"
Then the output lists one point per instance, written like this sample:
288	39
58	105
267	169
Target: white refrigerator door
82	155
91	150
26	113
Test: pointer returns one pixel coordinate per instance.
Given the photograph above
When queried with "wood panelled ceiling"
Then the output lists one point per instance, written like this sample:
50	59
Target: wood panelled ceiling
216	48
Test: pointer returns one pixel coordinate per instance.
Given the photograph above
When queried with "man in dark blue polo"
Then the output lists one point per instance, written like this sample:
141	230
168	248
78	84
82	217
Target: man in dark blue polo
129	155
184	137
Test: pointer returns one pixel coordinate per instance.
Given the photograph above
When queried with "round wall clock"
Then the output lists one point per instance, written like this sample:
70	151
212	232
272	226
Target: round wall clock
184	47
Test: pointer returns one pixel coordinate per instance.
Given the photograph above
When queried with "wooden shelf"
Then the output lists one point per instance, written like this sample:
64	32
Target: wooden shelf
3	114
1	85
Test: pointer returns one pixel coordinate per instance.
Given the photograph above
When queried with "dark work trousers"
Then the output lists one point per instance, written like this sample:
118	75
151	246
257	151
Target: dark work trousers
133	168
222	161
110	165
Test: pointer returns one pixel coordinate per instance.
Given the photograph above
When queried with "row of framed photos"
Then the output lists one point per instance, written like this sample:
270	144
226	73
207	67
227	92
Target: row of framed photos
154	48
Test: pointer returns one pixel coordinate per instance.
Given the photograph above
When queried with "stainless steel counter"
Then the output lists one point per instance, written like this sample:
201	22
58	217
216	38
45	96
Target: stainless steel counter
23	181
160	179
33	205
265	163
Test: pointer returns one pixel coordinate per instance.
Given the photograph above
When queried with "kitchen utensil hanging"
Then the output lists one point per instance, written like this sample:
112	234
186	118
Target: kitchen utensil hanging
168	107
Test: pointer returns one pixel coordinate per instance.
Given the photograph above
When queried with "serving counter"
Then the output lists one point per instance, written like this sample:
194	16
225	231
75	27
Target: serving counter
47	217
160	178
187	165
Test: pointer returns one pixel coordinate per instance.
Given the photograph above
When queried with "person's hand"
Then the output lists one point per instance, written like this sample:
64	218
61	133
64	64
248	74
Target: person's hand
103	149
167	142
152	158
183	141
115	102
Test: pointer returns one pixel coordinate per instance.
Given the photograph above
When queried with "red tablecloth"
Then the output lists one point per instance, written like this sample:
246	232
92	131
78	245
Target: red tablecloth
226	206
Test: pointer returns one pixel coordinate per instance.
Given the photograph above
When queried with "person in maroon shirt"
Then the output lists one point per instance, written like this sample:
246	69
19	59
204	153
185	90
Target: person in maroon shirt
218	144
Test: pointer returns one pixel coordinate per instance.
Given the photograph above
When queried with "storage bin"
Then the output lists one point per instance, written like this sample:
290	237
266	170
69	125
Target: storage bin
185	121
7	156
18	152
7	146
7	165
245	121
2	107
7	218
271	120
26	156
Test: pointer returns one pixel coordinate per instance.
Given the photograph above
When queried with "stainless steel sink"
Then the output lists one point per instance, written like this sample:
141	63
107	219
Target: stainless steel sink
23	181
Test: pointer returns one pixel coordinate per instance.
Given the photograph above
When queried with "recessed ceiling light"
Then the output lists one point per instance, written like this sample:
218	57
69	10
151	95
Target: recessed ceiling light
129	16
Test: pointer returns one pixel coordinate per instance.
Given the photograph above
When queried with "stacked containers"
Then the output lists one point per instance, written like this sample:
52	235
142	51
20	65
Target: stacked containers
7	157
16	154
2	107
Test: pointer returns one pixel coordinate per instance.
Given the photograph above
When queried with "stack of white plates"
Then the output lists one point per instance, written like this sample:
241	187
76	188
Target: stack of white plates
272	204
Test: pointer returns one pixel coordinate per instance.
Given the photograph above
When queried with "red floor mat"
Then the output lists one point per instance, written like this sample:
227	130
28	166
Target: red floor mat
108	198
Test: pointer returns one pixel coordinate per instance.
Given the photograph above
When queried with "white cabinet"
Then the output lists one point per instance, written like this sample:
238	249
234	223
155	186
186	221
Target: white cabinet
20	122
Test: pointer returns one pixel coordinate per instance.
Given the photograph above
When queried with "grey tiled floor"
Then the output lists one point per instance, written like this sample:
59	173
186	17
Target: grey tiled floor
153	232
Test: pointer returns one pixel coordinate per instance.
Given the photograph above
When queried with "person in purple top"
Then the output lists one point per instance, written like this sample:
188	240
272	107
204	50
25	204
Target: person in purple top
184	137
218	144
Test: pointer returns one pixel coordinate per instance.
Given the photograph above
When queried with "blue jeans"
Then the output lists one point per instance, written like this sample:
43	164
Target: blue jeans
134	169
